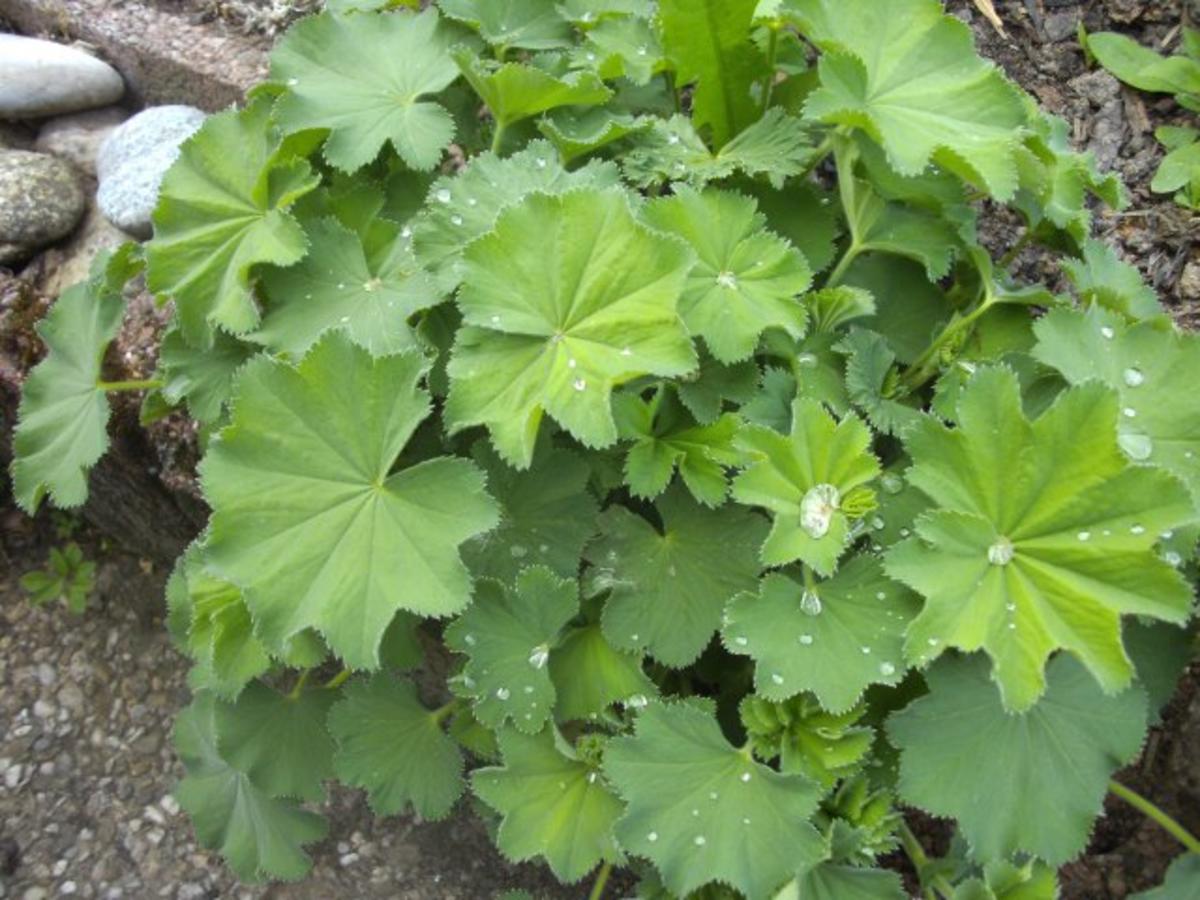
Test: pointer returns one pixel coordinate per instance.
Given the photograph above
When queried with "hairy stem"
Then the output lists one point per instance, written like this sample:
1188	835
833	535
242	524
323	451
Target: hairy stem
839	271
498	137
601	882
1148	809
819	155
338	680
147	384
298	687
926	365
769	79
1015	250
440	714
920	860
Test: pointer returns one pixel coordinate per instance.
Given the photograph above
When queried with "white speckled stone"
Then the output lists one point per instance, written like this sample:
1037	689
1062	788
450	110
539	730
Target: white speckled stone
134	159
41	78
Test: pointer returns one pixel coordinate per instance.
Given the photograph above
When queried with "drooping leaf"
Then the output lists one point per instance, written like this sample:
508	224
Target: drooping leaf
280	742
516	91
203	377
1041	537
546	515
367	290
708	43
1102	278
259	836
704	811
538	790
507	636
521	24
1150	365
831	882
668	589
803	478
1046	770
223	210
745	280
908	75
578	132
368	79
589	675
329	537
62	427
391	745
835	638
553	325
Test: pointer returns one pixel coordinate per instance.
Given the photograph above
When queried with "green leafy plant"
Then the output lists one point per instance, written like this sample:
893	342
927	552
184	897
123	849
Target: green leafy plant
68	578
1179	74
638	369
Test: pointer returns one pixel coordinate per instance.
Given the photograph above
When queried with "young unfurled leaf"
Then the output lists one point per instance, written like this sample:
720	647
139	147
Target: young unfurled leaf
1153	368
546	515
708	42
508	635
367	290
1047	769
223	209
1104	279
664	436
203	377
803	478
516	91
62	427
553	805
464	207
280	742
391	745
831	882
590	674
668	589
259	836
807	740
552	325
704	811
834	638
366	78
519	24
908	75
329	537
745	280
1042	537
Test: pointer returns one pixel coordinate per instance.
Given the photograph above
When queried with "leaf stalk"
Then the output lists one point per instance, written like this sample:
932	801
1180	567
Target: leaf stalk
1151	811
146	384
601	882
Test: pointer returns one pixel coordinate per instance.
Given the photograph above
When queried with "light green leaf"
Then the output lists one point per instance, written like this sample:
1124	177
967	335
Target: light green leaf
223	209
578	132
746	279
830	882
516	91
1153	368
280	742
806	739
523	24
834	638
334	540
552	325
1046	771
546	515
365	78
507	635
584	13
1141	67
259	837
553	806
1042	537
62	427
664	436
668	589
201	376
589	675
391	745
1102	278
465	207
909	76
750	827
708	42
622	47
803	477
369	291
1180	171
1182	882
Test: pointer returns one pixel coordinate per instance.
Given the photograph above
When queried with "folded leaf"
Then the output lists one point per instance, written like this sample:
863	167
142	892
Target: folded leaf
516	91
523	24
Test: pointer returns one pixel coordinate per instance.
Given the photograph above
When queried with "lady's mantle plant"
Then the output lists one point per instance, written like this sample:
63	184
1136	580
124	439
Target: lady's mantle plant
751	498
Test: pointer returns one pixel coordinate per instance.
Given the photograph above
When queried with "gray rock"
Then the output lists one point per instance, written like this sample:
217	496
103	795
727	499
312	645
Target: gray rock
41	78
41	201
133	160
77	137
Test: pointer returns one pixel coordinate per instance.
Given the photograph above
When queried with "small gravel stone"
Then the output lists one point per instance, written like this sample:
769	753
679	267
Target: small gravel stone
134	159
41	78
41	201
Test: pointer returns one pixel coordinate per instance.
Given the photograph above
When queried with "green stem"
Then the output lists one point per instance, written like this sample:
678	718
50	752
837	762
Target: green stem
819	155
298	687
146	384
669	79
839	271
926	364
769	80
920	861
498	137
338	680
439	714
1015	250
1148	809
601	882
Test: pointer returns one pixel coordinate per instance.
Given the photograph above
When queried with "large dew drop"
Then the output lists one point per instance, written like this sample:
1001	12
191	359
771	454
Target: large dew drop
1001	552
817	509
810	603
1134	377
539	656
1136	446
